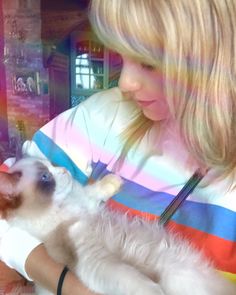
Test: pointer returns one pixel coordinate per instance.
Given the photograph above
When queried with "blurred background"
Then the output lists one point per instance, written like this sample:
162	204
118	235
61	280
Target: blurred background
50	60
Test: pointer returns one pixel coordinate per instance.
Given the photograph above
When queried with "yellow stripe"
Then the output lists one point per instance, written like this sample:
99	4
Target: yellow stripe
229	276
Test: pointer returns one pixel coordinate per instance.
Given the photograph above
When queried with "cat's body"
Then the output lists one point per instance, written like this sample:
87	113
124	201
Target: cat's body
117	256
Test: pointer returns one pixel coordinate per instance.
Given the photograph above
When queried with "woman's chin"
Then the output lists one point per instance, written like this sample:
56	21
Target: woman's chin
155	115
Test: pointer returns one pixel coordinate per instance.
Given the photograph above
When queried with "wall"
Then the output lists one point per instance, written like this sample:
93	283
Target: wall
3	98
27	102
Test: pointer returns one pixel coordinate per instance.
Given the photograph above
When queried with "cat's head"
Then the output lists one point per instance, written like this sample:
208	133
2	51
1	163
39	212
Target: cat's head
31	185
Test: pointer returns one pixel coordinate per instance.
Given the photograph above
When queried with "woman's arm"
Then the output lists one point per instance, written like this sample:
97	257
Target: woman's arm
43	269
25	253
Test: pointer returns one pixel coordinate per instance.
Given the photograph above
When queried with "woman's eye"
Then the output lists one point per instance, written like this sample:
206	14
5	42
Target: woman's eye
147	67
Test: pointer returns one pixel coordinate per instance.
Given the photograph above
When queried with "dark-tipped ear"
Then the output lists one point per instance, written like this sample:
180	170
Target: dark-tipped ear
9	199
7	183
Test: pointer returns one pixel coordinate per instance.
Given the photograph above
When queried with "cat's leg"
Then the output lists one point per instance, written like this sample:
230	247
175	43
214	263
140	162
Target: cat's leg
111	276
104	271
108	186
102	190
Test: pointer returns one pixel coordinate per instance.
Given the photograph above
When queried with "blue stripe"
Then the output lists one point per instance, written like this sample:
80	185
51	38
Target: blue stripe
212	219
57	156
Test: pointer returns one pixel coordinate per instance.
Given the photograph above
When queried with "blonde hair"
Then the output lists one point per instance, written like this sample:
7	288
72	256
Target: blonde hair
194	43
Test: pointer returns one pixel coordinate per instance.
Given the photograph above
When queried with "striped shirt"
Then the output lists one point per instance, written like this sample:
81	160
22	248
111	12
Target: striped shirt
87	140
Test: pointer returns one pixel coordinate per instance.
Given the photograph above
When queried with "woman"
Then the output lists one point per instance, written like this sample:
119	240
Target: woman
173	113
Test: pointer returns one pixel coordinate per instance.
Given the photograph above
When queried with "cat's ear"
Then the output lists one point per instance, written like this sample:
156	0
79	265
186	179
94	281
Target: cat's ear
8	183
9	199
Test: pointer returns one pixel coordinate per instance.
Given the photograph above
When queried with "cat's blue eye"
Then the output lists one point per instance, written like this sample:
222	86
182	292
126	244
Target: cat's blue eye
46	183
46	176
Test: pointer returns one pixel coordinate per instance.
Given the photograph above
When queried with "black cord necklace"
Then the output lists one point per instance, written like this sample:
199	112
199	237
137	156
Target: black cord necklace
181	197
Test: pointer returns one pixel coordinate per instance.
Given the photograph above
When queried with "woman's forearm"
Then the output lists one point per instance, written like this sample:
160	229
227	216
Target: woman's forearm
44	270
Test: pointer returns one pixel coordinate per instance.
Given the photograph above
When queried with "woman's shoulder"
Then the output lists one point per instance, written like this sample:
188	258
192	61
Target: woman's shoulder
111	95
103	112
107	108
109	102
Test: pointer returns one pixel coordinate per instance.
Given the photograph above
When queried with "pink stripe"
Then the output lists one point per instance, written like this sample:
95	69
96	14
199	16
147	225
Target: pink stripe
88	149
72	138
147	180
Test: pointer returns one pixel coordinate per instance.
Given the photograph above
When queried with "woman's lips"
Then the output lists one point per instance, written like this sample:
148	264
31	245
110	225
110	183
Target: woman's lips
145	103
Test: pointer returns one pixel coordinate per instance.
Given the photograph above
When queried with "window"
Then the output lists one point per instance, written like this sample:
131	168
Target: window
89	66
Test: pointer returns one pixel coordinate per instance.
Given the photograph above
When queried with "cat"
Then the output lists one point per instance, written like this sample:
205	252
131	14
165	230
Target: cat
110	252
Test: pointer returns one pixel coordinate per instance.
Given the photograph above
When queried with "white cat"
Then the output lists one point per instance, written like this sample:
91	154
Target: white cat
112	254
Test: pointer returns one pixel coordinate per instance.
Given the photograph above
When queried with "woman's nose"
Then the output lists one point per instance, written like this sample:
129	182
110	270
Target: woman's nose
130	77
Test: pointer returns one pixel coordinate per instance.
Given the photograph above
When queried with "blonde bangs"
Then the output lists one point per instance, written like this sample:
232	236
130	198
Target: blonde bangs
130	34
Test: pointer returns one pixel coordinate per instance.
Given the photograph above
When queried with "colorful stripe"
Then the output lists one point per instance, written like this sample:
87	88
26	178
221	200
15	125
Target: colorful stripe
220	251
221	254
205	225
57	156
218	220
221	219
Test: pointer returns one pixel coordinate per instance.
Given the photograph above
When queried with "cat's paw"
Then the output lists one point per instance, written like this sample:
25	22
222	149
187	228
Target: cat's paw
110	185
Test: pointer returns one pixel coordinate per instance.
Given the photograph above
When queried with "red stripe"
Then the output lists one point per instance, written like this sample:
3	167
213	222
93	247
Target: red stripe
130	211
4	168
220	251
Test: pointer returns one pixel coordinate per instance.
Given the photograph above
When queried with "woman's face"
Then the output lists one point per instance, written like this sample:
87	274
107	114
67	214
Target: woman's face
144	84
